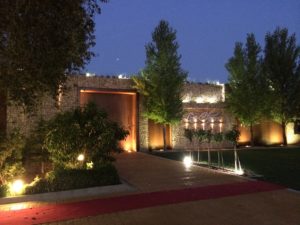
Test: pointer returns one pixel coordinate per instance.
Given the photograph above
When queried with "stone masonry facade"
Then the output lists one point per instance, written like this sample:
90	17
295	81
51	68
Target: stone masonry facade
203	105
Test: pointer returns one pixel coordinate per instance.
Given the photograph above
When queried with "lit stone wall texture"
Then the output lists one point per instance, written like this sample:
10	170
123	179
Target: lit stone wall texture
199	100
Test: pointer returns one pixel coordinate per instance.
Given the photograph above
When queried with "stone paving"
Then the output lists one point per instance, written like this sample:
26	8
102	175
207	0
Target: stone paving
149	174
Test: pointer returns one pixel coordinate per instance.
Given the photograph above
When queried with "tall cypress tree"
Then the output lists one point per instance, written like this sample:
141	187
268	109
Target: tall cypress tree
247	96
282	70
162	79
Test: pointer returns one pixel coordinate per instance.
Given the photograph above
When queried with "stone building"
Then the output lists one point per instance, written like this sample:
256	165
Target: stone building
203	104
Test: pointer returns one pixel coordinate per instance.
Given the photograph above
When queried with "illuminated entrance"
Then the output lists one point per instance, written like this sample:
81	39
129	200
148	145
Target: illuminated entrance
121	107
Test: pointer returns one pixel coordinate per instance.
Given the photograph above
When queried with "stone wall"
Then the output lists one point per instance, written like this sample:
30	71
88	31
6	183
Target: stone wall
48	107
199	100
203	93
206	116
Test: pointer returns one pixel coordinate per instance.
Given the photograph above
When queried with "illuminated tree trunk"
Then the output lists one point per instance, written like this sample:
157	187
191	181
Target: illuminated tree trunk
164	137
283	126
235	159
219	159
251	135
237	163
208	154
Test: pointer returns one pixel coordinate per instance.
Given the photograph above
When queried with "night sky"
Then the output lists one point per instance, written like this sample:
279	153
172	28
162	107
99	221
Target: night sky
206	32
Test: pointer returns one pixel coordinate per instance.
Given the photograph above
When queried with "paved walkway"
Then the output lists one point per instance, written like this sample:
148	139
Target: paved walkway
168	193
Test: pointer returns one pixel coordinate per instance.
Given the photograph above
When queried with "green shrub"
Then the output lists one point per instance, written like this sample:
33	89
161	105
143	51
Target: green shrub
11	147
233	135
3	190
85	131
66	179
34	151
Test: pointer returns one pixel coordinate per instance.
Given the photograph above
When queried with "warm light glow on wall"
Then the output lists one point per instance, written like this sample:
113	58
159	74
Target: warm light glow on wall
129	146
270	133
206	99
195	126
199	100
121	106
292	138
186	100
223	92
60	94
275	138
212	99
244	135
220	127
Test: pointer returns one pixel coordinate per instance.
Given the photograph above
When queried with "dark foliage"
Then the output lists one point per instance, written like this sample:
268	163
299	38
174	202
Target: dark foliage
85	131
66	179
41	42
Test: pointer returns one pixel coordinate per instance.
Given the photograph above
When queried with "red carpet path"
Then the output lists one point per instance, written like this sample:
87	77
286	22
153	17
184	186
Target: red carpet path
67	211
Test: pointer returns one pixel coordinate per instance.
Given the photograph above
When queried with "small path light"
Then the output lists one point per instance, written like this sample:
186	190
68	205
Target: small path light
239	171
80	157
89	165
187	161
19	206
17	187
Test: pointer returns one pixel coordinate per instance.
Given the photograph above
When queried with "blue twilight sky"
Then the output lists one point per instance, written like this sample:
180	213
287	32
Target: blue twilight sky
206	32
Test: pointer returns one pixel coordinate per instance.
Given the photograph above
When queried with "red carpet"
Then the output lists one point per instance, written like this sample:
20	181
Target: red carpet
58	212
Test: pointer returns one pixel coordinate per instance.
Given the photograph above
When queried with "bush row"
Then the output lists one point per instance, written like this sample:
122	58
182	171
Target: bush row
66	179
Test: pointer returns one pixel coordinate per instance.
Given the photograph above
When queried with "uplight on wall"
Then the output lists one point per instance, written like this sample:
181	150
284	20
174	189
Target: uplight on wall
90	74
211	99
186	100
206	99
199	100
122	76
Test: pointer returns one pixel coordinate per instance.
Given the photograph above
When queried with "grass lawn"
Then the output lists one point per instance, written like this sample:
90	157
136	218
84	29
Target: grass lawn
277	165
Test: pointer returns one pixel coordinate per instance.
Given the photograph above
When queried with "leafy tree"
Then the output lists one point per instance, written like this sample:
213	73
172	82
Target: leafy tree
208	138
34	149
189	134
233	136
200	136
162	80
40	43
247	94
218	138
85	131
282	70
